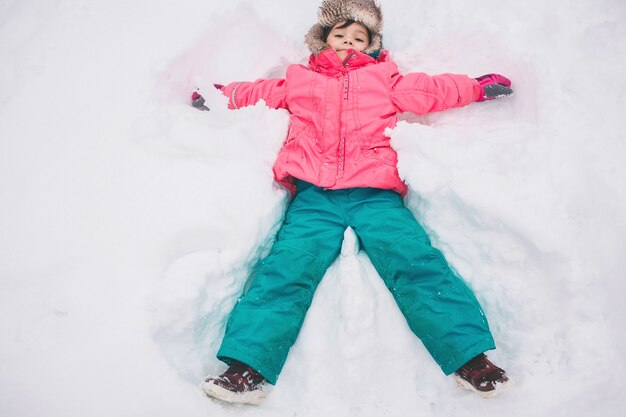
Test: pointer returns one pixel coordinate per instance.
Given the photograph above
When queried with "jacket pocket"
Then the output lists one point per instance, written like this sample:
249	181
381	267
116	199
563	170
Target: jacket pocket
385	154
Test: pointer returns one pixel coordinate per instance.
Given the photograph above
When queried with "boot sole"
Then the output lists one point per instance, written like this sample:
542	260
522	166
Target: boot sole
250	397
500	388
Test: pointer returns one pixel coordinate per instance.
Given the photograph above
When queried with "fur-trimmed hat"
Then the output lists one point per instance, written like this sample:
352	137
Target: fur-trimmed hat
366	12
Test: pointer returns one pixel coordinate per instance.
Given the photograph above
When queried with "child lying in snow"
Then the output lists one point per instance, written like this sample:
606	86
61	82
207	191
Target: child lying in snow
340	168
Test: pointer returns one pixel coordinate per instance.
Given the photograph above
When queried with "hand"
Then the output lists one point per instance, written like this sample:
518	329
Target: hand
493	86
197	101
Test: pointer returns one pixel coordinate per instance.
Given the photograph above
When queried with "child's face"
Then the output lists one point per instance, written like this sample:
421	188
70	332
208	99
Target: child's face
351	37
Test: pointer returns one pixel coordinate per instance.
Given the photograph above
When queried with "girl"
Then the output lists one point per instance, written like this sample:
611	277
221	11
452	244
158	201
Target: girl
340	168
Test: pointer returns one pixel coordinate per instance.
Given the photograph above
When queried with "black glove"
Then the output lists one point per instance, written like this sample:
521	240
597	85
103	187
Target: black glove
197	101
494	86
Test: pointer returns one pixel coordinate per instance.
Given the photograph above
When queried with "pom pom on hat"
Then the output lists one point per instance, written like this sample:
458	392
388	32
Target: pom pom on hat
366	12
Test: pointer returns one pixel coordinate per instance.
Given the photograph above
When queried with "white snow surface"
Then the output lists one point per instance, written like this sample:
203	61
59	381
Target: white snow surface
129	220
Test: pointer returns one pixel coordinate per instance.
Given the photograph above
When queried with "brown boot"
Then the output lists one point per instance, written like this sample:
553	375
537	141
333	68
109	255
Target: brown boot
240	384
483	377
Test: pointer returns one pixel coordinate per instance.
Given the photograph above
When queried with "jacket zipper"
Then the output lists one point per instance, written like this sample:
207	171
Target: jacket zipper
342	139
345	61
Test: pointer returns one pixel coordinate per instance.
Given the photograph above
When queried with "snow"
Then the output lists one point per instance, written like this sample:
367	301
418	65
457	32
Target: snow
129	220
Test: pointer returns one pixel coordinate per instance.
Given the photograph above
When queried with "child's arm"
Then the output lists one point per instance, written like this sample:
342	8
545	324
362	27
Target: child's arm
242	94
421	93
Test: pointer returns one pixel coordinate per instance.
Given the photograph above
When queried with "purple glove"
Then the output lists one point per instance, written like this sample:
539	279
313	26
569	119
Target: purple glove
493	86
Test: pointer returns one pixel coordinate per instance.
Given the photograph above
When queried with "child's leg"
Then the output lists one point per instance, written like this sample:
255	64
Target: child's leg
266	321
439	307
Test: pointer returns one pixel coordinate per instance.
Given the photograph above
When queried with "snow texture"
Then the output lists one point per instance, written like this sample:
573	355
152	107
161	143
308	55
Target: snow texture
129	220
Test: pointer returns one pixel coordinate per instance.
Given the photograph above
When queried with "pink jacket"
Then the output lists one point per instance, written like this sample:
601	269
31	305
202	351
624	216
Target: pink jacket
339	112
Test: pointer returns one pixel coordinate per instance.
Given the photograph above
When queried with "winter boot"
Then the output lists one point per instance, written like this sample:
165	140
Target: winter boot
240	384
483	377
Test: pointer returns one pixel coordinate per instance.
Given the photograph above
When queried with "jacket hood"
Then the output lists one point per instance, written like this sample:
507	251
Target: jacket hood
366	12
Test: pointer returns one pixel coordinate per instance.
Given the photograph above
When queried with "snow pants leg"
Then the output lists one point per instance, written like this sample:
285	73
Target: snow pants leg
266	321
439	308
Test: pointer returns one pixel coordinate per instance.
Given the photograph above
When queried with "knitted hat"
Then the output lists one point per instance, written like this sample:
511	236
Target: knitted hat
331	12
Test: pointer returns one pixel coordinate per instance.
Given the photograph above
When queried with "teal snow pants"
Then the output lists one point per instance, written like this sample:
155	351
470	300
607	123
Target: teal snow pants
440	309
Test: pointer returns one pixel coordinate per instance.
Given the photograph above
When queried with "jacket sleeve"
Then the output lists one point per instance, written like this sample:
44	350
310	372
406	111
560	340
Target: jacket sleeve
421	93
245	93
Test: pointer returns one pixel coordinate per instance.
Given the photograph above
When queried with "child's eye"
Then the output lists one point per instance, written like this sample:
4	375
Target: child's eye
338	36
360	40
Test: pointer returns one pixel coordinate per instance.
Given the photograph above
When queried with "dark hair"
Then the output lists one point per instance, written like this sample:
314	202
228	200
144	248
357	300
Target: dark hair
326	30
